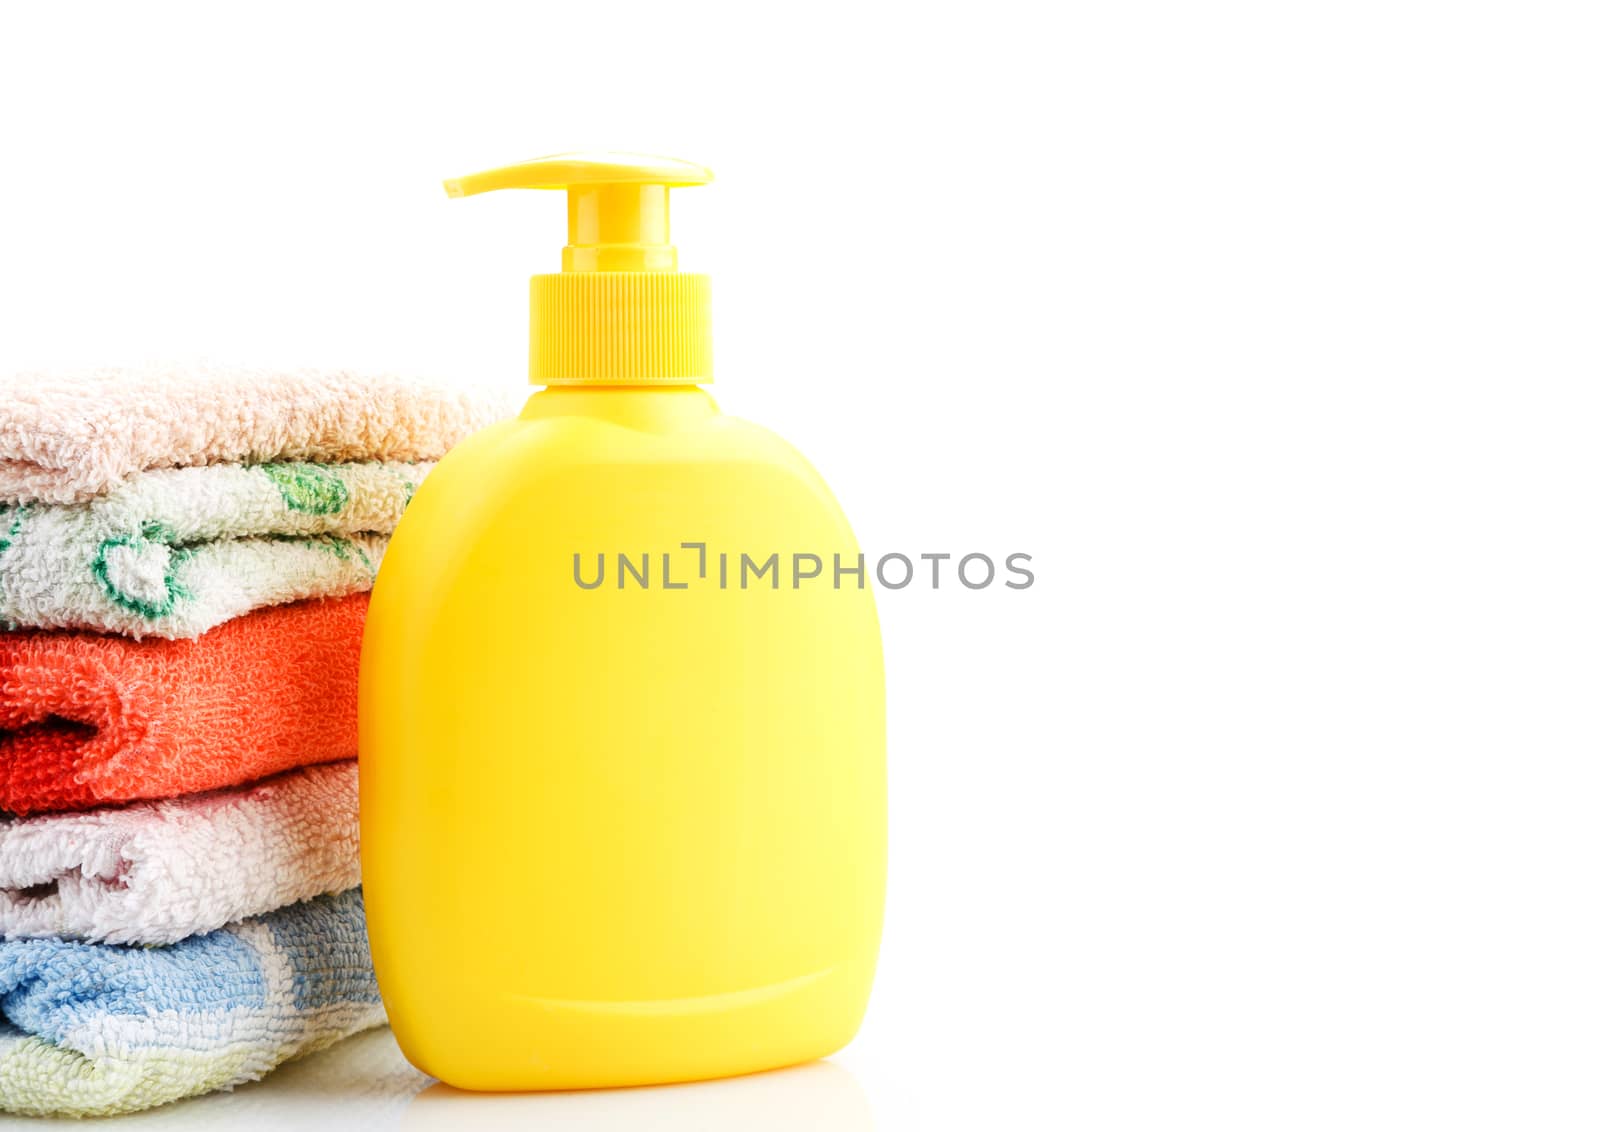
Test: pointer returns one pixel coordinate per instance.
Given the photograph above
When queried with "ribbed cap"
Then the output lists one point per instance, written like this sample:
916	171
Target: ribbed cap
620	328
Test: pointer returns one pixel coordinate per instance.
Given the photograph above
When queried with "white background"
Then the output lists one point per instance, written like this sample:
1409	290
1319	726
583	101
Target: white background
1269	329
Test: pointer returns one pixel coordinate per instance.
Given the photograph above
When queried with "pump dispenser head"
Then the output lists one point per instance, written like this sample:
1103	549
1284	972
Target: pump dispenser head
619	312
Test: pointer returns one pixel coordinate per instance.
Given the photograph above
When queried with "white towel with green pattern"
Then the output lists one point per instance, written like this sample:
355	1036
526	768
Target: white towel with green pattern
176	551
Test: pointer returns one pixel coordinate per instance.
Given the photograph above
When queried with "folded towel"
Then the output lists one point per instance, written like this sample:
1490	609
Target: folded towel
174	552
88	719
66	437
158	872
363	1082
97	1029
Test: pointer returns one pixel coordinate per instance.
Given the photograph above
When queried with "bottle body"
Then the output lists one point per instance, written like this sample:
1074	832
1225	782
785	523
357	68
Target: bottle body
626	827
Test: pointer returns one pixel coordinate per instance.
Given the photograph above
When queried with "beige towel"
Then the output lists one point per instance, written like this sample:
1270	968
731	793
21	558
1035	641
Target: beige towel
66	437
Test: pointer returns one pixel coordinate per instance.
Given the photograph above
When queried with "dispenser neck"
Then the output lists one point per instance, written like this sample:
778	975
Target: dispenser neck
664	408
618	228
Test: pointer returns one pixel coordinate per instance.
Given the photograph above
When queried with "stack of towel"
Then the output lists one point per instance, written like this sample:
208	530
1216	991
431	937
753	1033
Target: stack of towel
184	560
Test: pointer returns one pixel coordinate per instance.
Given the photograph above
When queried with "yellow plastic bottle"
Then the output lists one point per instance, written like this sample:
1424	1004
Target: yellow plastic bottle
629	832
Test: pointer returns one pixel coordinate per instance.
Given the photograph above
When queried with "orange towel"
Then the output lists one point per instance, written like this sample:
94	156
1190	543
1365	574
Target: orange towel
88	719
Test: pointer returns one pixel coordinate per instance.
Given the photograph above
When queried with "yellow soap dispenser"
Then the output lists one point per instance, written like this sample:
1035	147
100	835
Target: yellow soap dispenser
622	720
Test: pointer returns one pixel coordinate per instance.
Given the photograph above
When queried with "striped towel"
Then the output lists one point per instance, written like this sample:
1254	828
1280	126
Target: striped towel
97	1029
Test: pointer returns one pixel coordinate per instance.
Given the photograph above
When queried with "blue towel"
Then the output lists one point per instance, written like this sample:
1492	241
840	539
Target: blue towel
92	1029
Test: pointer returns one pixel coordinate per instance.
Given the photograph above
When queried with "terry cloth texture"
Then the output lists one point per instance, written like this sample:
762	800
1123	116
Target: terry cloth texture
88	719
96	1029
178	551
69	436
157	872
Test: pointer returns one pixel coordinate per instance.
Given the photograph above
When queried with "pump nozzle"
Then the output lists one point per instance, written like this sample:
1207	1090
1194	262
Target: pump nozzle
619	312
617	215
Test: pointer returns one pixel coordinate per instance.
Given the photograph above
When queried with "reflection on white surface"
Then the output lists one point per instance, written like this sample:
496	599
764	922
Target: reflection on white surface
807	1098
365	1083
